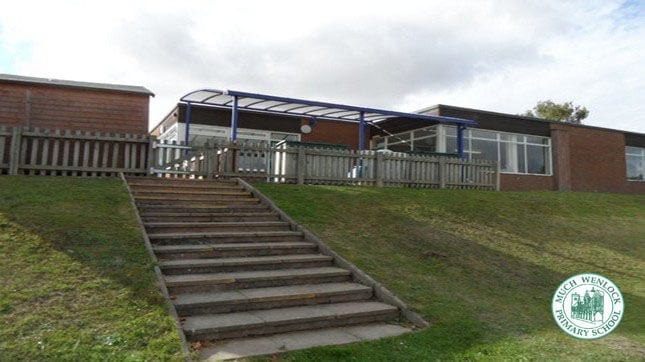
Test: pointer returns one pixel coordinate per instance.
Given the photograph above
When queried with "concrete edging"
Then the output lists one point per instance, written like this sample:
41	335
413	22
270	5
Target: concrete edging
160	280
380	291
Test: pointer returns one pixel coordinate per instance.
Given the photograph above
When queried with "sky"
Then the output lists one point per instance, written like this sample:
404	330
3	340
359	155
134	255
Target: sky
403	55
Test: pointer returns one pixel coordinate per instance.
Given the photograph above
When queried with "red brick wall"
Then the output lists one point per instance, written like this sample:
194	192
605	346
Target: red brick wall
510	182
594	158
333	132
73	108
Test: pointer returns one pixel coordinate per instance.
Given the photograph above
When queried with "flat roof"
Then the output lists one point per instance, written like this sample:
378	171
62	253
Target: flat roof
526	118
10	78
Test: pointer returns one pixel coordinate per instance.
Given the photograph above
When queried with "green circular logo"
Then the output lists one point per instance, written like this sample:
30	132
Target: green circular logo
588	306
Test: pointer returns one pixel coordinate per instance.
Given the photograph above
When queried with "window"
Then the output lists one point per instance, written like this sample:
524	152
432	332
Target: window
515	153
635	158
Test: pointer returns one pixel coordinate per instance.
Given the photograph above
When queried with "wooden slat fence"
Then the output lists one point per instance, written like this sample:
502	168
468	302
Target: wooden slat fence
310	165
34	151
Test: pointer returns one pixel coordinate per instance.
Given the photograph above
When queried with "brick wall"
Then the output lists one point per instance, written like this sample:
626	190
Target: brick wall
510	182
73	108
336	132
591	159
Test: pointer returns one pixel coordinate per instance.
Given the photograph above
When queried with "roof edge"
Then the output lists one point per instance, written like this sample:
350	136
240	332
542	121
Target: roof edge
121	88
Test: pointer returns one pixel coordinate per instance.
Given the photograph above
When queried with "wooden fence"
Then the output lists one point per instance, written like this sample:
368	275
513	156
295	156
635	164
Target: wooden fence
310	165
33	151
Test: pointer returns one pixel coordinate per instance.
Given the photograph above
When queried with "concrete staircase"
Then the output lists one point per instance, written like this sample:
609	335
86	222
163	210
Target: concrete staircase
243	281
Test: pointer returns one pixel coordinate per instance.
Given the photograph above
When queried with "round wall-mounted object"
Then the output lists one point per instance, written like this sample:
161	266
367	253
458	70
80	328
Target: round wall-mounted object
305	128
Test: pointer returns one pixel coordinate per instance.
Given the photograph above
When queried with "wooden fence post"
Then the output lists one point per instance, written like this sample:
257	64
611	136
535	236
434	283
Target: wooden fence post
14	152
151	160
302	164
379	164
442	172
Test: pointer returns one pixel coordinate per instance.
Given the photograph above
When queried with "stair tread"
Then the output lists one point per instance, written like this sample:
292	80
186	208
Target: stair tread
253	260
242	348
238	276
215	223
202	214
278	316
268	294
232	246
224	234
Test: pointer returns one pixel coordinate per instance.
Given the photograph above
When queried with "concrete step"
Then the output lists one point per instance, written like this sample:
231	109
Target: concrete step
233	249
188	283
209	216
201	227
215	265
198	208
281	320
225	237
265	298
244	348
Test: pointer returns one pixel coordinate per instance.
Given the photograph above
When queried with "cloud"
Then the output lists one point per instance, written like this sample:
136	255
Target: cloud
497	55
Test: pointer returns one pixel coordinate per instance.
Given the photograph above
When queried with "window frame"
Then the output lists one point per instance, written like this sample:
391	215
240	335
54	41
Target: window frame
641	155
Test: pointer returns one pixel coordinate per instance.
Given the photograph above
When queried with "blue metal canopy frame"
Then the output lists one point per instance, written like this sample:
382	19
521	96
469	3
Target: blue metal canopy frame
302	108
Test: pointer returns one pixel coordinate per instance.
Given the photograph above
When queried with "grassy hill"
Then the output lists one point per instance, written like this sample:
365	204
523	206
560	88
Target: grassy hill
76	281
482	267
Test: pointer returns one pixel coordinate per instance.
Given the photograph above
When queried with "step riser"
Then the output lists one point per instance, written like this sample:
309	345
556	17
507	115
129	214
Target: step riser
224	209
222	201
244	267
297	326
240	306
190	195
228	239
168	198
195	229
180	188
181	182
218	218
247	284
234	253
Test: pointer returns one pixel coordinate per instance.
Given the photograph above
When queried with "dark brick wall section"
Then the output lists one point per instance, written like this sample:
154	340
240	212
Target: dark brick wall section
511	182
597	160
336	132
76	109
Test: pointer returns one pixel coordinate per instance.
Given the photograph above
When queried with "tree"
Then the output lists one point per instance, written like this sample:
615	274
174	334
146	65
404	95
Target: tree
564	112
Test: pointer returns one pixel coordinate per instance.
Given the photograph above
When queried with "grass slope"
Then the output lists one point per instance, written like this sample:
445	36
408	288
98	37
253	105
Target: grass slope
77	283
482	267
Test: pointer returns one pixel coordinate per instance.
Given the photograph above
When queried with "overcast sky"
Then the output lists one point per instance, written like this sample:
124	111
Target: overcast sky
404	55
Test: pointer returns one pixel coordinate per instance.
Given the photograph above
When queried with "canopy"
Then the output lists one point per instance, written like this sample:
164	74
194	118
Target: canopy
264	103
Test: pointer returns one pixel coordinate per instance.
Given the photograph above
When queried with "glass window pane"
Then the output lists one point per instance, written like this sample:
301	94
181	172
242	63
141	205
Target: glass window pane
521	165
507	157
484	150
451	145
424	133
476	133
451	131
537	140
633	150
426	144
536	157
635	167
401	147
379	143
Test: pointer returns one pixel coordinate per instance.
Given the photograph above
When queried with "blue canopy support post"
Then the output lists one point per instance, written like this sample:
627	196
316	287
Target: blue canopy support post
460	141
361	131
187	120
234	120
